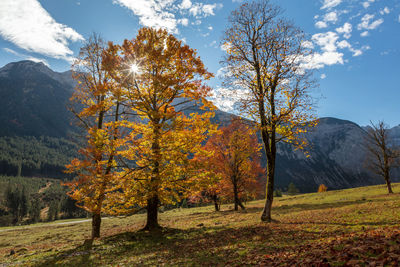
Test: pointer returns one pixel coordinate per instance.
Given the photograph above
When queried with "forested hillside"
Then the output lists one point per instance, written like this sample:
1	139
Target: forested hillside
35	156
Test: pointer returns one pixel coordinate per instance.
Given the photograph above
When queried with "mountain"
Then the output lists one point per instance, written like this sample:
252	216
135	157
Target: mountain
33	101
337	158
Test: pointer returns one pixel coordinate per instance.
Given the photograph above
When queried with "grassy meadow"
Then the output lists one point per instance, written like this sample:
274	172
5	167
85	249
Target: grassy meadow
351	227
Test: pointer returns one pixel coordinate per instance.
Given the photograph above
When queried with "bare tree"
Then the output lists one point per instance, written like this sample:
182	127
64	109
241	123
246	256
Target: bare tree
382	157
264	67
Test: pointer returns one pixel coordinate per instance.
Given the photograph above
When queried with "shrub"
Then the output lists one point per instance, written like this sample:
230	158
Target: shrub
277	193
322	188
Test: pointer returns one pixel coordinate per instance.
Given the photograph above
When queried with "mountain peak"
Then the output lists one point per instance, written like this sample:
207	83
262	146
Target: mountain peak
27	65
32	68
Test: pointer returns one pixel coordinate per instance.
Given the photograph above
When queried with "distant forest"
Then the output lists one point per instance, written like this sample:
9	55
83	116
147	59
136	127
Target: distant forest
35	156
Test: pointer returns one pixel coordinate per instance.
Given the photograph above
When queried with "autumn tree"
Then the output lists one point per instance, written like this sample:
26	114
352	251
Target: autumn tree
264	68
96	104
382	156
163	80
235	159
322	188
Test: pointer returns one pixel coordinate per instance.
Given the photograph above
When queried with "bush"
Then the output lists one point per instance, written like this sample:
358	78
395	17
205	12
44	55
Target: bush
277	193
322	188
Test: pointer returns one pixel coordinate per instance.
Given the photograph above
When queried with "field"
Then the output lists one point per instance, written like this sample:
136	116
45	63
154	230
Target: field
350	227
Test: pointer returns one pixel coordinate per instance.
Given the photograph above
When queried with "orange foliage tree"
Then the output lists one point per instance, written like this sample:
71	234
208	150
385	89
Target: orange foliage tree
162	79
264	62
99	103
322	188
235	162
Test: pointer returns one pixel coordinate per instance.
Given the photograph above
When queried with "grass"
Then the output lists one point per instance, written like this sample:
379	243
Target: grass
352	226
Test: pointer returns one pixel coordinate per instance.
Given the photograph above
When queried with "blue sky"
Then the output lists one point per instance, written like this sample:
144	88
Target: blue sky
356	42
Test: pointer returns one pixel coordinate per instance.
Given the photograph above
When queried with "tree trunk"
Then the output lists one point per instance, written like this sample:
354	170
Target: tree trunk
152	202
237	201
235	195
152	214
388	184
96	222
271	156
216	205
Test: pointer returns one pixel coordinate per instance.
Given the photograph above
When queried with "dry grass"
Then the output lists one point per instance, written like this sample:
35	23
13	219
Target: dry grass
201	236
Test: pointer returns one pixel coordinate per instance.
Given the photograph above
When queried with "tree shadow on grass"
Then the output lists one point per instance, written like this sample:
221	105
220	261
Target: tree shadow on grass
197	246
79	256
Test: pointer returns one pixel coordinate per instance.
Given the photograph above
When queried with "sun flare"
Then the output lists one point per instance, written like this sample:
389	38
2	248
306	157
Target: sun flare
134	68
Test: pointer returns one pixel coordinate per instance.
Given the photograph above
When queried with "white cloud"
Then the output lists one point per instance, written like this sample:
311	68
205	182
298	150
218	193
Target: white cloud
364	34
323	76
321	24
327	41
368	24
210	28
356	52
343	44
346	30
307	44
226	98
184	21
384	11
186	4
27	57
200	10
330	3
163	13
367	3
331	17
320	60
28	25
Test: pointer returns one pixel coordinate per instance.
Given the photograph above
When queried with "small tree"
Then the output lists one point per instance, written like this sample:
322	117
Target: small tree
264	64
16	202
34	210
382	157
99	104
322	188
235	160
292	189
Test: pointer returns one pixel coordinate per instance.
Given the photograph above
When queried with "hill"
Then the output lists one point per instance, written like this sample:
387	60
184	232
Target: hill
336	228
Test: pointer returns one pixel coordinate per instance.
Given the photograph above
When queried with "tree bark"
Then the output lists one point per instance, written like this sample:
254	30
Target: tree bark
152	214
271	156
96	222
152	202
216	205
238	203
388	184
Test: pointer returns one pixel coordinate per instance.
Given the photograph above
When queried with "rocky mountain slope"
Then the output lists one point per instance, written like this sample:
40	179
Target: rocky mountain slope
33	102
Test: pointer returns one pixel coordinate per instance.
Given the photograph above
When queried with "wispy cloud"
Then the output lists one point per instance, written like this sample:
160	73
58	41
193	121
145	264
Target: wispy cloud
28	25
368	24
330	3
34	59
167	13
